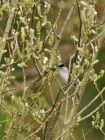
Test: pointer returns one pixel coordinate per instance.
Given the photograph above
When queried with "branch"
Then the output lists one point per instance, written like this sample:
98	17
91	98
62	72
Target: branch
8	26
91	102
91	113
64	25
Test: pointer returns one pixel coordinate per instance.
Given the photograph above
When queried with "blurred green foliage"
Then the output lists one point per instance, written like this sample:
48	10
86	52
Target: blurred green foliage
28	53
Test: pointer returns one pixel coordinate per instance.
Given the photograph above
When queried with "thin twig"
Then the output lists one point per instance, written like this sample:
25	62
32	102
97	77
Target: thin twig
8	26
74	58
55	23
41	126
50	114
37	67
91	102
92	112
95	38
65	24
80	20
87	133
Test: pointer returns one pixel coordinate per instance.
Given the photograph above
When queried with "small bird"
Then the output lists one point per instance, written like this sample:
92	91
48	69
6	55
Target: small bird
63	73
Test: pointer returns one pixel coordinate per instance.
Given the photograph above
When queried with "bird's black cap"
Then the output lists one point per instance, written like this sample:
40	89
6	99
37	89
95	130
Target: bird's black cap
62	65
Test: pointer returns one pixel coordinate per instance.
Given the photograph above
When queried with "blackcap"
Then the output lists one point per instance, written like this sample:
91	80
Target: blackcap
63	73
